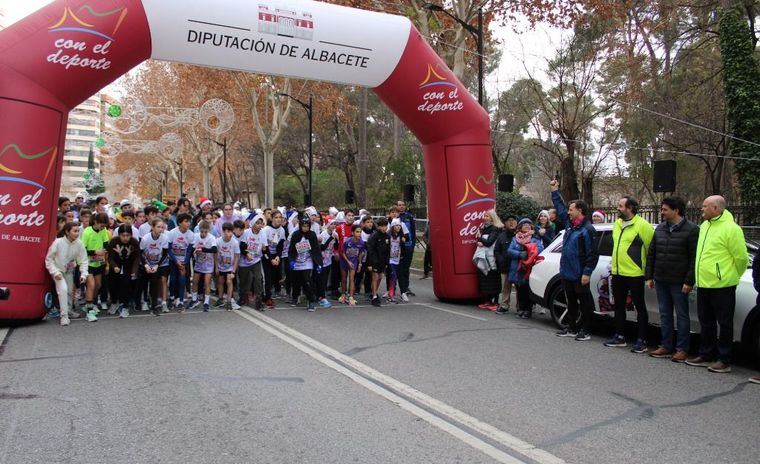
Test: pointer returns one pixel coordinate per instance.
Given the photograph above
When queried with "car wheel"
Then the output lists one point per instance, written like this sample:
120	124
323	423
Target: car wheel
557	302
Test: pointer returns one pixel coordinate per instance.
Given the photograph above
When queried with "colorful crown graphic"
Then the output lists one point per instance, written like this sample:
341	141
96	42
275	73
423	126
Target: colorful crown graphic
15	174
433	78
473	195
75	21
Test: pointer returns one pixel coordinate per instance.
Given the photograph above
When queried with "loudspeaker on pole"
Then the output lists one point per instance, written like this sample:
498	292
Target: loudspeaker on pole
664	177
506	183
409	193
350	199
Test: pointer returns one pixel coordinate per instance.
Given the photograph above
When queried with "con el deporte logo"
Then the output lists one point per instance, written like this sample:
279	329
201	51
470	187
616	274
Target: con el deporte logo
9	156
440	94
72	52
473	195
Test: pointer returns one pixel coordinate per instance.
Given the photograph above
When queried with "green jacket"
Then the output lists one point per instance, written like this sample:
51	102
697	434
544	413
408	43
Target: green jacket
721	253
630	246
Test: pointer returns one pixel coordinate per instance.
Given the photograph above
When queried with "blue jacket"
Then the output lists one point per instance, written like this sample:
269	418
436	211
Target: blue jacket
579	255
407	218
513	252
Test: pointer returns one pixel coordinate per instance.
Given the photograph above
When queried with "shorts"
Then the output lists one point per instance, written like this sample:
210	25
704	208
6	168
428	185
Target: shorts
345	266
379	269
225	273
95	271
163	271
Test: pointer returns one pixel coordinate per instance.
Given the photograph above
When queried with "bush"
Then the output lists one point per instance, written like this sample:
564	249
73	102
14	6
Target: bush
514	203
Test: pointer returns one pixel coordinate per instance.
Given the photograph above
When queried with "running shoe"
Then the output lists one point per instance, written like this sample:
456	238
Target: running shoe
220	303
615	341
566	333
194	304
405	297
311	307
104	306
639	347
342	299
64	321
376	301
123	312
180	307
228	306
582	336
113	309
269	304
293	302
206	307
92	315
145	306
699	361
235	306
719	367
481	306
325	303
164	307
351	301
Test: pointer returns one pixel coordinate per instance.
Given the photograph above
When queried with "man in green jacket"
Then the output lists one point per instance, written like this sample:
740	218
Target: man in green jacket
631	237
721	260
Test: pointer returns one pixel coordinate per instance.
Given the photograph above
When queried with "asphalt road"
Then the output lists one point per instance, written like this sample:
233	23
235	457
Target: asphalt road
425	382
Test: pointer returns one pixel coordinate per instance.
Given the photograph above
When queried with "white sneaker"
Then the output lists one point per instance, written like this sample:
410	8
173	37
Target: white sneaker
92	315
404	298
235	305
104	306
385	295
164	307
113	309
124	313
145	306
64	321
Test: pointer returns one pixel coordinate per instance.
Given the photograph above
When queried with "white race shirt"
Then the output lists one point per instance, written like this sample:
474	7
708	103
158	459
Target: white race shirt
225	253
255	244
179	242
204	262
152	249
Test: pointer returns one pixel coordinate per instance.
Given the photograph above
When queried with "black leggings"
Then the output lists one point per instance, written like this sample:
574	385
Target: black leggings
302	279
272	278
621	286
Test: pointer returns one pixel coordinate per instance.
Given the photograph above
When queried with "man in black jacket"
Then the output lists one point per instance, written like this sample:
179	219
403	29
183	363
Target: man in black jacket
305	257
670	269
503	262
378	255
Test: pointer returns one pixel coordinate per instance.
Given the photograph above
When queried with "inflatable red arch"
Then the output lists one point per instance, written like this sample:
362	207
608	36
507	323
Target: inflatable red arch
61	55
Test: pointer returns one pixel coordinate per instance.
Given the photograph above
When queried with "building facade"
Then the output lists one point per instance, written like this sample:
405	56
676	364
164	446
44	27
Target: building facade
83	130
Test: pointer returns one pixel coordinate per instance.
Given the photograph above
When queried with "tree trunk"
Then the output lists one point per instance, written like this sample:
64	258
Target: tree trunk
362	158
569	181
268	177
396	137
588	190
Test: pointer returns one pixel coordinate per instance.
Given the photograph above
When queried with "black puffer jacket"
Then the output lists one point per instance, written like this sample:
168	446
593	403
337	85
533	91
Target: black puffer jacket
671	254
503	260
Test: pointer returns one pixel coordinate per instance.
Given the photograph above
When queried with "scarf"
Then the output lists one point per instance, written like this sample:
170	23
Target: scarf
523	238
578	221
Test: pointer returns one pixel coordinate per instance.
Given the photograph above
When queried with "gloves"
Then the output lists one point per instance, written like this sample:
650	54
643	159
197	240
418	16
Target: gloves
292	265
318	269
523	254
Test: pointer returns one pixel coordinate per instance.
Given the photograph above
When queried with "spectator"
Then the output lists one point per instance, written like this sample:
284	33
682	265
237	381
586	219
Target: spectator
670	269
503	261
427	264
578	261
559	224
545	228
598	217
407	219
756	281
631	237
489	278
523	251
721	260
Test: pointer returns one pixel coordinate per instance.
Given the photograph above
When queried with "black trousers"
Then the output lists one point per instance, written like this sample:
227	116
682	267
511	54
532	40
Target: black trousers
272	279
403	269
578	298
322	279
335	277
715	309
302	280
621	287
121	288
427	265
523	297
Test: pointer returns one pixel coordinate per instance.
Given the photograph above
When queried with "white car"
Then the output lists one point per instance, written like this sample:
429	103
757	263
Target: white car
546	291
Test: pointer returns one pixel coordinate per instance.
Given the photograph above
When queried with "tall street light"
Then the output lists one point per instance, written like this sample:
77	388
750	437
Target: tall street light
308	107
476	31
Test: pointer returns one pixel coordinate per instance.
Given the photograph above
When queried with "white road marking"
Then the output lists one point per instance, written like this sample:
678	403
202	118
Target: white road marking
319	352
452	312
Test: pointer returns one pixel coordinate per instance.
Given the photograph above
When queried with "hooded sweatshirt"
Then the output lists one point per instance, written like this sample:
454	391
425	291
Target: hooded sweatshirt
64	255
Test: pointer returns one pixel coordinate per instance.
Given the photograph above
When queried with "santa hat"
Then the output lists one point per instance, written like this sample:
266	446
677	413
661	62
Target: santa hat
333	211
282	210
396	222
204	202
340	218
600	214
363	212
311	211
258	218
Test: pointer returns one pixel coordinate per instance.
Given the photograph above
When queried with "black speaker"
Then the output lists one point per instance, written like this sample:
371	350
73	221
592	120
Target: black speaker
306	200
408	193
350	199
506	183
665	176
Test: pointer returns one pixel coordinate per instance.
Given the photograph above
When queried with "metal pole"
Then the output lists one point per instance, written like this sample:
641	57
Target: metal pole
480	56
181	178
311	155
224	173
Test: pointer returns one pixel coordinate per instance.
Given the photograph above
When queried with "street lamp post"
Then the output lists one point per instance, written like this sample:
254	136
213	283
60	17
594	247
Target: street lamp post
308	107
224	168
476	31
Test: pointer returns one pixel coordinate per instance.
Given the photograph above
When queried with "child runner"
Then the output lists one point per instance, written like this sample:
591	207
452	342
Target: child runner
354	250
95	238
181	240
275	235
305	258
378	256
328	238
151	213
64	255
397	238
155	251
205	250
289	227
250	269
227	257
124	263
